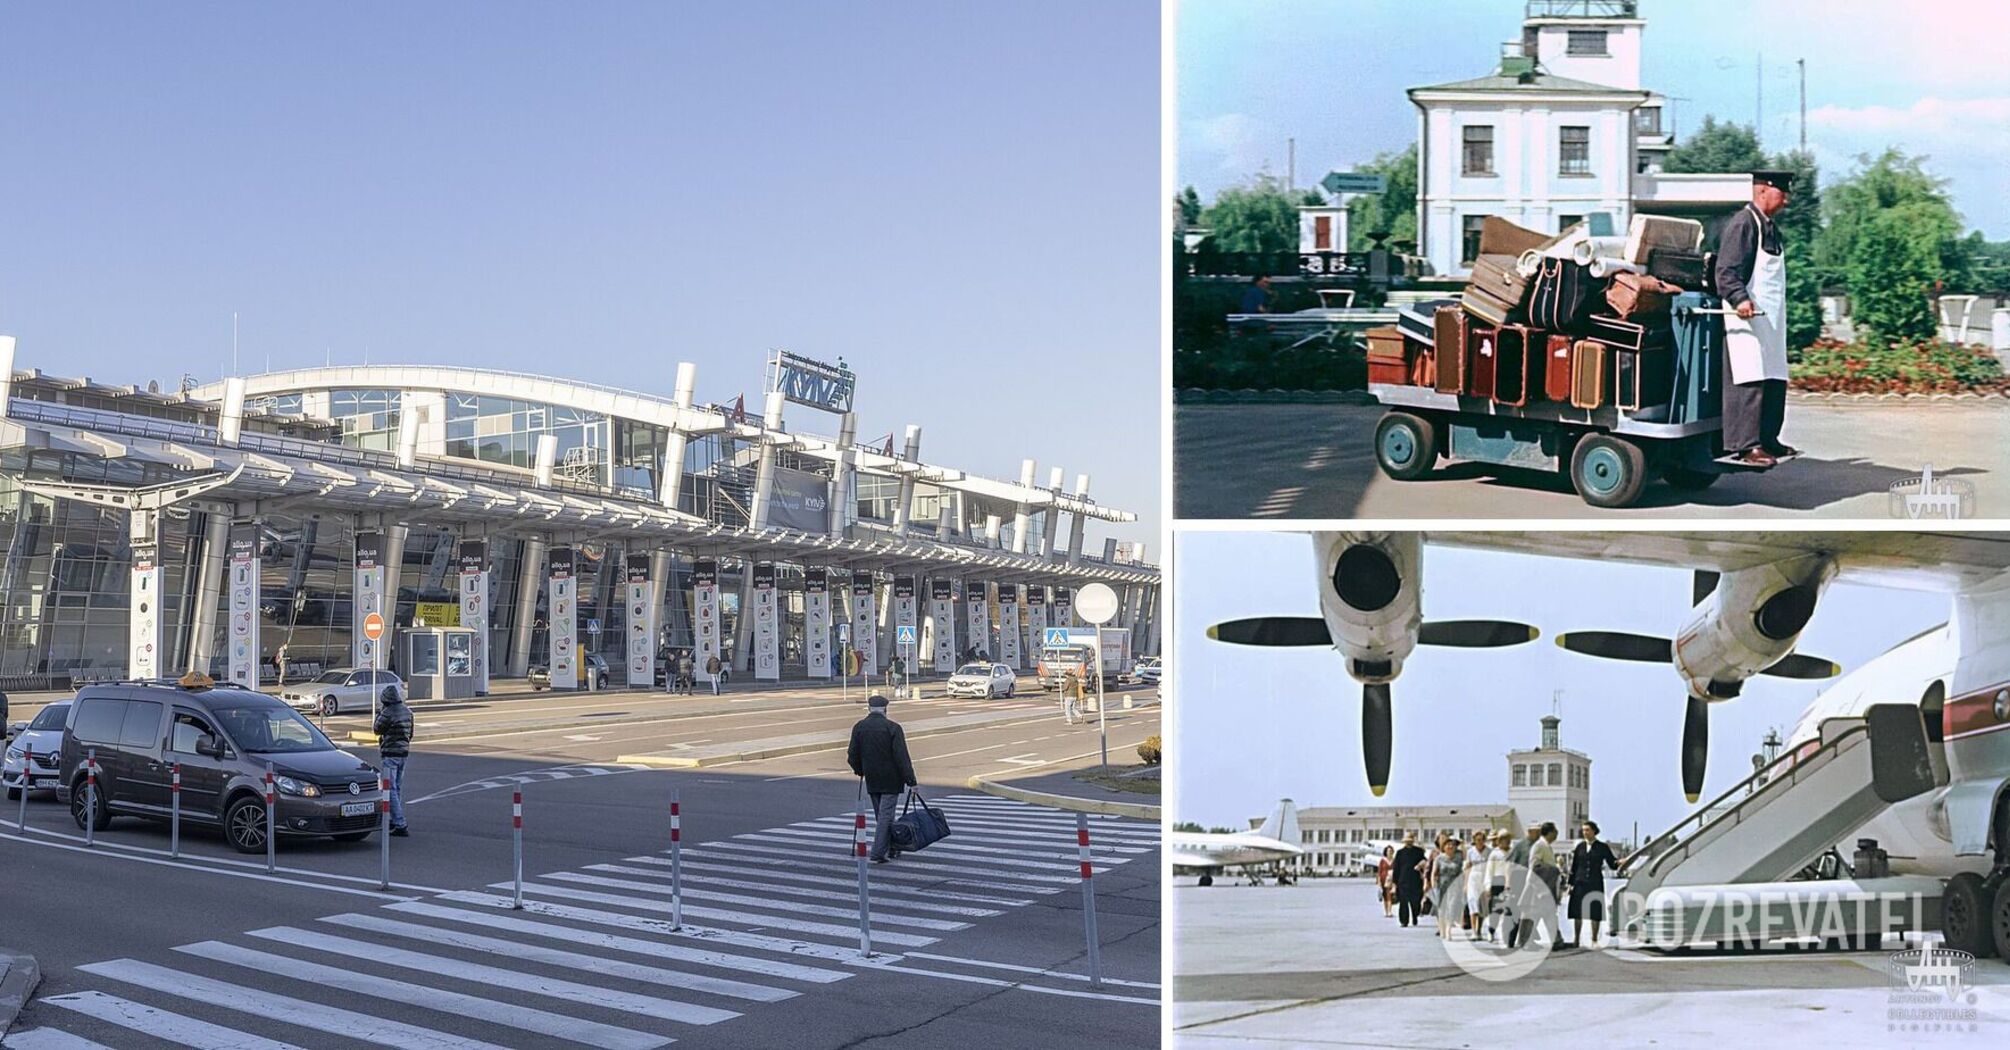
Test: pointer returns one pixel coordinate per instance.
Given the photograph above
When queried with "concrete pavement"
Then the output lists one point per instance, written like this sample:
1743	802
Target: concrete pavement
1317	461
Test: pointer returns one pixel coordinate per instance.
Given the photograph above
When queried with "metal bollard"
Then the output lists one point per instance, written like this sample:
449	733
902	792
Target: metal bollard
383	831
676	863
174	811
27	778
91	796
271	824
864	901
516	835
1088	899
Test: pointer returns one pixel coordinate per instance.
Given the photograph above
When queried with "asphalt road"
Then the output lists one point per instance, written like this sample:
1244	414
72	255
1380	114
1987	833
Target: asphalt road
979	940
1317	461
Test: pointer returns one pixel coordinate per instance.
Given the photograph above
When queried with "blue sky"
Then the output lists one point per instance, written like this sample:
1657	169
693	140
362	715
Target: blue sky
1928	77
960	200
1256	725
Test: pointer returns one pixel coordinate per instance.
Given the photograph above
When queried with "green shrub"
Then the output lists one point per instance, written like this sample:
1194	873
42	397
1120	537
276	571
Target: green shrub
1149	750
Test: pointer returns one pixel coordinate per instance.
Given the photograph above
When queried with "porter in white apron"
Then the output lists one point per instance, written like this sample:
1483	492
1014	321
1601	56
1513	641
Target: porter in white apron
1755	355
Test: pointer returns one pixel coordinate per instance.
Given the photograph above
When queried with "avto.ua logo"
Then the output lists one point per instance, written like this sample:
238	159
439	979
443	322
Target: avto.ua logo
1929	497
1928	994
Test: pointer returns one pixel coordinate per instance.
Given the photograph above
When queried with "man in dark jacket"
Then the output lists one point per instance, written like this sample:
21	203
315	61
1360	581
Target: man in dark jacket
1519	906
394	744
878	753
1409	879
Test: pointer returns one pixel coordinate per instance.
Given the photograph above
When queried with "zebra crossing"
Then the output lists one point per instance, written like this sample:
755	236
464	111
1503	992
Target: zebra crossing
593	958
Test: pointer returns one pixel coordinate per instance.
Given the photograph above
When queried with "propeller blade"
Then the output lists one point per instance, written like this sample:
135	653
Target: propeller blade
1273	630
1476	634
1375	734
1617	645
1695	748
1701	586
1795	665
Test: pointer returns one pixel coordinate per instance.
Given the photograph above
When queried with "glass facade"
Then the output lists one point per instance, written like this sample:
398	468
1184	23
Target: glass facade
502	430
369	418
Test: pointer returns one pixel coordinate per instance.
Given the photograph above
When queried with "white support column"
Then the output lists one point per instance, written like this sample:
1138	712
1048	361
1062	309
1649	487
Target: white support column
1053	516
659	586
992	522
670	479
1022	515
1150	643
6	372
230	418
743	628
547	456
208	591
408	431
529	574
764	475
1081	521
911	452
847	463
394	563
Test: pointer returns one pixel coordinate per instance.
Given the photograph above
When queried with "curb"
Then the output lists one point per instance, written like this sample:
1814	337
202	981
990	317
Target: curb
1137	810
1993	398
19	977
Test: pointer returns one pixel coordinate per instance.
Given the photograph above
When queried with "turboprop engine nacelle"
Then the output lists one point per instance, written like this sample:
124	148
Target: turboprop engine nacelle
1748	623
1369	596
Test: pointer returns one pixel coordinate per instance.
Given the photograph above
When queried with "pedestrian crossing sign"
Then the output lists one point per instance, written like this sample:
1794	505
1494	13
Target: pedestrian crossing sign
904	634
1055	638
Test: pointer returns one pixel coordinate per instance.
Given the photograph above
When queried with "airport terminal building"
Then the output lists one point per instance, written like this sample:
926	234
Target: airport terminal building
458	521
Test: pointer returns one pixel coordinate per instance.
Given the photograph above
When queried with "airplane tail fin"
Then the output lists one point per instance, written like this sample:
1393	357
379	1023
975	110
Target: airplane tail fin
1282	824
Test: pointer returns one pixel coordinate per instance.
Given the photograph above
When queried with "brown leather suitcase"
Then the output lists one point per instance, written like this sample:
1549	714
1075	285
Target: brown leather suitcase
1482	342
1637	296
1620	334
1501	237
1518	364
1387	359
1449	348
1422	361
1556	369
1587	374
1497	291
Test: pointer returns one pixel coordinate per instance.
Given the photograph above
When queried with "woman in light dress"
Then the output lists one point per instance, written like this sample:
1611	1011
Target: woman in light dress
1476	881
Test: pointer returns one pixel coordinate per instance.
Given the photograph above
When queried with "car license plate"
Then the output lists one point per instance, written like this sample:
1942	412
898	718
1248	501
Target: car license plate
46	782
357	809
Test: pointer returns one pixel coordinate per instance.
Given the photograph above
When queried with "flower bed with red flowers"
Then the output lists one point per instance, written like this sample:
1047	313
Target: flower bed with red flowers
1899	367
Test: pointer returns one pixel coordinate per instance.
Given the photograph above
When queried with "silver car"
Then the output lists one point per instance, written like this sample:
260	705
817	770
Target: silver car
983	680
43	736
343	689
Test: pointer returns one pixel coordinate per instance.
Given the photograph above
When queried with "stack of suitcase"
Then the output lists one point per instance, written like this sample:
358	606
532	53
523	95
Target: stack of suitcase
1661	365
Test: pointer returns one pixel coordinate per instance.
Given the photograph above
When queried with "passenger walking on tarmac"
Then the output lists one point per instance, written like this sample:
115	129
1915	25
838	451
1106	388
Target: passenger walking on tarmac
1385	887
1476	885
1409	877
687	672
1448	882
279	664
1518	864
1072	692
1587	883
713	669
394	744
1545	878
878	753
1497	884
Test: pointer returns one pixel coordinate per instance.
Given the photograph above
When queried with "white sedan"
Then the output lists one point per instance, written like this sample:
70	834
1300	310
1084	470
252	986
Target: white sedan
343	689
983	680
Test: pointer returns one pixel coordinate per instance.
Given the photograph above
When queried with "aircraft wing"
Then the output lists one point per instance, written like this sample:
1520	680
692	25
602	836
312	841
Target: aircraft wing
1918	561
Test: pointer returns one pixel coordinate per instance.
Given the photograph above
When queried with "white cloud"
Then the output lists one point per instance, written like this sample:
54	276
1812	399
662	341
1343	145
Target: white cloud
1223	149
1967	141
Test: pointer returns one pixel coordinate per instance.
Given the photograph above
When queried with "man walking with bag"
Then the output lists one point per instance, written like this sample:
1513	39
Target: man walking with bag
878	753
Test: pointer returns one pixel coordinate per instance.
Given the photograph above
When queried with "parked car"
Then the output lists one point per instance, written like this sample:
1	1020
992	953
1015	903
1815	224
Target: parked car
540	675
44	737
343	689
1145	671
224	740
983	680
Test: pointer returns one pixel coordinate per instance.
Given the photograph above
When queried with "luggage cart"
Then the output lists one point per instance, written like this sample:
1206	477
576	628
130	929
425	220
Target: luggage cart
1610	453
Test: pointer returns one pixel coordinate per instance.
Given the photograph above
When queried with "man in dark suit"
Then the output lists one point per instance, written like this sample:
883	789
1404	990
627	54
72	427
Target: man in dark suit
1409	880
1519	920
878	752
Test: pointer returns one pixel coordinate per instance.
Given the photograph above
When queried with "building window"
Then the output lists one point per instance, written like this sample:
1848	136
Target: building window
1647	120
1564	222
1520	776
1587	43
1479	155
1574	151
1470	249
1555	775
1322	233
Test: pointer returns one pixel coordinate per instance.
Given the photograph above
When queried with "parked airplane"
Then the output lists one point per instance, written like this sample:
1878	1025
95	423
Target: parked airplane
1273	844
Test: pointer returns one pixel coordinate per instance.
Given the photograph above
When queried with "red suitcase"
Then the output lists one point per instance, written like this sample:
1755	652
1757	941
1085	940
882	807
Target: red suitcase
1448	346
1556	371
1482	342
1387	360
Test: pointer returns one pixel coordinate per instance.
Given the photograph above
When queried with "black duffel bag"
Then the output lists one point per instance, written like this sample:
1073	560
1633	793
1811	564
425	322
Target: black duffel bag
917	827
1561	295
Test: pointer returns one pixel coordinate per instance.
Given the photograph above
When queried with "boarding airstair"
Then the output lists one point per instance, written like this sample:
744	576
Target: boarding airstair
1777	822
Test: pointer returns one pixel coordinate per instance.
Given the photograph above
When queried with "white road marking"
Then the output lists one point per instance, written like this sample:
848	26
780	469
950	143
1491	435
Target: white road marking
510	1015
912	871
986	963
799	891
944	850
162	1024
970	831
815	929
766	872
881	916
131	853
586	738
260	1003
49	1039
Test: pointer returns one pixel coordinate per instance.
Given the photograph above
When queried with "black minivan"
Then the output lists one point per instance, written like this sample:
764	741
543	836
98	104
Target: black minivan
224	739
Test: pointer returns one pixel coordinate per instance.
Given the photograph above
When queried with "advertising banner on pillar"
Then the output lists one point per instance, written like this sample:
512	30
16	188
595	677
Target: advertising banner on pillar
1008	624
705	600
368	599
975	599
145	625
767	625
243	629
865	623
473	563
817	621
800	501
641	625
1063	613
942	616
1036	621
563	596
906	614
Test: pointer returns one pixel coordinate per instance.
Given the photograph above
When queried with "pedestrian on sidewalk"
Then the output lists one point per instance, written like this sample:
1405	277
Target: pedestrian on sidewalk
687	672
878	753
712	669
394	744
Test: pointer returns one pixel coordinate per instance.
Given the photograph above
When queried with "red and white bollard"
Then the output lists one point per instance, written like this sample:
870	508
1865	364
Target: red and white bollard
676	862
174	810
91	797
1088	899
864	899
383	831
271	824
516	833
27	778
